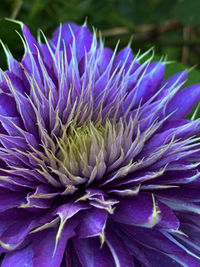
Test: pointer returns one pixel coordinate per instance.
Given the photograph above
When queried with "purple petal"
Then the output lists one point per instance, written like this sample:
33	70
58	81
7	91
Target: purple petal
14	215
176	79
19	258
119	251
68	254
68	210
11	200
134	248
183	102
150	82
104	60
172	82
8	109
11	142
123	59
15	234
138	210
192	240
92	223
27	114
64	34
163	243
168	221
30	39
91	255
160	259
17	83
44	244
80	43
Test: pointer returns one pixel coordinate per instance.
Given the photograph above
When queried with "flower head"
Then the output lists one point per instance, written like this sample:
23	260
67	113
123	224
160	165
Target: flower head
99	166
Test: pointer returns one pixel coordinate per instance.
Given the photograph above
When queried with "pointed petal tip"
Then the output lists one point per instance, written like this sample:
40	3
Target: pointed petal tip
130	41
85	22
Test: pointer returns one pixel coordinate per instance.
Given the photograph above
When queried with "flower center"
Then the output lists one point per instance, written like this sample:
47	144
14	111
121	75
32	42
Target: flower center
89	152
80	148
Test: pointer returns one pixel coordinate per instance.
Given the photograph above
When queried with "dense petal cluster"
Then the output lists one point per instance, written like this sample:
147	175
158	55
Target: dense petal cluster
98	165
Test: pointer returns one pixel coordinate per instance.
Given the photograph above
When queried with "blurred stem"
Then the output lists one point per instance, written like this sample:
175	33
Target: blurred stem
186	49
16	10
178	42
155	34
114	31
146	31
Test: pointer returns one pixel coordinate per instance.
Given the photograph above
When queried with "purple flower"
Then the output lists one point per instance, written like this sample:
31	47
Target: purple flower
99	167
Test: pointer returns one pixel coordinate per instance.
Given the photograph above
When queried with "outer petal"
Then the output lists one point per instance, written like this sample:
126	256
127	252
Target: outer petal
15	234
183	102
160	259
124	58
134	248
92	223
149	84
191	240
119	251
27	114
168	221
104	59
44	244
7	105
91	255
17	83
80	43
176	79
172	82
138	210
11	200
64	34
68	254
32	43
164	243
68	210
19	258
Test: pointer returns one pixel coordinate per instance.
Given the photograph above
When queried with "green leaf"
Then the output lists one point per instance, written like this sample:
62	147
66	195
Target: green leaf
11	39
187	11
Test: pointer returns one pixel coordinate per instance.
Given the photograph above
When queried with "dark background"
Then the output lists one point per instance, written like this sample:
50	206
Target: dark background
172	27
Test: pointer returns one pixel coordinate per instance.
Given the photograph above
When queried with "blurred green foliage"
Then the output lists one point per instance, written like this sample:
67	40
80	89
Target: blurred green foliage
171	26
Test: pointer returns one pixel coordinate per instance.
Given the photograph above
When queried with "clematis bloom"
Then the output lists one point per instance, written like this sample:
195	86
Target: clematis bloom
99	166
